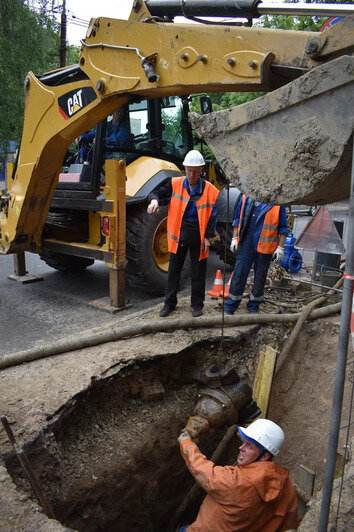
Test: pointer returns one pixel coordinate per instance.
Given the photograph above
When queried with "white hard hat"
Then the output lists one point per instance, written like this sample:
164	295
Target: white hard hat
264	433
194	158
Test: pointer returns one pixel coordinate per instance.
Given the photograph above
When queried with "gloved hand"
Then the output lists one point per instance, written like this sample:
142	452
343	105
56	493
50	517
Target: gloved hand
195	426
153	206
279	254
183	436
233	246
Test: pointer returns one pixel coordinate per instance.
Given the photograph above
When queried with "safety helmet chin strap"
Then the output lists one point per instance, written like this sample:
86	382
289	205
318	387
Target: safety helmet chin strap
261	454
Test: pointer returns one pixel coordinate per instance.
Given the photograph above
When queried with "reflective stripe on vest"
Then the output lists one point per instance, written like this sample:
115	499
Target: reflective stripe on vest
268	241
244	197
177	207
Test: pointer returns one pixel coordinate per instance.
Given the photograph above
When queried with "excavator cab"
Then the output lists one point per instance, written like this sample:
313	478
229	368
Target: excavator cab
156	128
152	136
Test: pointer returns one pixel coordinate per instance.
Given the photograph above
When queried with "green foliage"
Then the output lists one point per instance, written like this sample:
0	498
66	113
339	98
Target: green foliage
303	23
172	124
286	22
28	41
224	100
72	55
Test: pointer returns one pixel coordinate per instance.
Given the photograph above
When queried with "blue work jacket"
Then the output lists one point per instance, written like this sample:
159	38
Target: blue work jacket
283	223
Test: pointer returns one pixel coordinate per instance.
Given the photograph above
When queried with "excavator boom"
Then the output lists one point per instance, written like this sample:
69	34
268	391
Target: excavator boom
145	57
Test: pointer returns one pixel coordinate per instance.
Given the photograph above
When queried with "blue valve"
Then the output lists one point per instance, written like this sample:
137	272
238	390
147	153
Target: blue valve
292	260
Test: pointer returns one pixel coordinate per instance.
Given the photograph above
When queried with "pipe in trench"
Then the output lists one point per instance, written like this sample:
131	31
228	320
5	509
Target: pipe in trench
193	492
93	338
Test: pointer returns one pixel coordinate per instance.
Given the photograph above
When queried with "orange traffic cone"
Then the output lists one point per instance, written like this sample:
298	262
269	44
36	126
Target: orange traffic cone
227	288
217	287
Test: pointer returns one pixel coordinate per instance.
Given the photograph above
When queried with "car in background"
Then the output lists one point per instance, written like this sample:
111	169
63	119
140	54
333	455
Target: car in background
301	210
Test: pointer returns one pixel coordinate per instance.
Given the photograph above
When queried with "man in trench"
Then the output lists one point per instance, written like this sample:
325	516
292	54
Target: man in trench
191	222
254	495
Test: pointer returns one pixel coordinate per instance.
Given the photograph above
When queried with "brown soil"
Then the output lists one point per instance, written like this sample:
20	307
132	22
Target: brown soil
100	424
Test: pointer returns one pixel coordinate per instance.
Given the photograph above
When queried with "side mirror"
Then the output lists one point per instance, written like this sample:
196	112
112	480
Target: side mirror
205	105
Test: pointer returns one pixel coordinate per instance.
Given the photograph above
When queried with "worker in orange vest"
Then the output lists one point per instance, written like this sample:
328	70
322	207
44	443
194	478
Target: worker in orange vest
254	495
191	222
259	234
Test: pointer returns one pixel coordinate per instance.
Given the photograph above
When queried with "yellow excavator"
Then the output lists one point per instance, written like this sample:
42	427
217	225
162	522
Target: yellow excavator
73	212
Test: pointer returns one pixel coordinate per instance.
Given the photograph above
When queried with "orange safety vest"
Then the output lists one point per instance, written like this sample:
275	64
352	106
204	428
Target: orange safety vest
268	241
177	207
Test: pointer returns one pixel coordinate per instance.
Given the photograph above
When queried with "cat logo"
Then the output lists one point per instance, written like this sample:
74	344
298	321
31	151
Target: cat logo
72	102
75	103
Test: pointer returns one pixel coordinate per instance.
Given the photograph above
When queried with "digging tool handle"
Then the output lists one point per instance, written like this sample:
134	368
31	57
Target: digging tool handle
27	468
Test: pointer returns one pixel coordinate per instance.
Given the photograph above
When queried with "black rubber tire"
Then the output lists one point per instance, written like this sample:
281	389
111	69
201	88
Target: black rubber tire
142	271
220	246
65	263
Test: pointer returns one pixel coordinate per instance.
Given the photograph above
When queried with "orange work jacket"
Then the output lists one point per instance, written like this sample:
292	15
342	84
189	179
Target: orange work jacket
177	207
258	497
268	241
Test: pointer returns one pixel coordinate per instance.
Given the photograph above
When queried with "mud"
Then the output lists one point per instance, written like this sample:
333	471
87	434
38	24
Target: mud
109	459
342	498
100	425
292	145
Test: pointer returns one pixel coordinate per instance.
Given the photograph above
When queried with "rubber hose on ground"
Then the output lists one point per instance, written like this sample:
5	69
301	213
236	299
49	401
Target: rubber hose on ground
92	338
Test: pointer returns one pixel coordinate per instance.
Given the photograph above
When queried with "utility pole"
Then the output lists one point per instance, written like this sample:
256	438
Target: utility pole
63	35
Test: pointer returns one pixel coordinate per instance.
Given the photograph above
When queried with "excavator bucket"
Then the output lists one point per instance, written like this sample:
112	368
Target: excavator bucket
292	145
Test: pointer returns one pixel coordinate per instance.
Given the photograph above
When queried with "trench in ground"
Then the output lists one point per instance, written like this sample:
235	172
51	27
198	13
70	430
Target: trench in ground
109	458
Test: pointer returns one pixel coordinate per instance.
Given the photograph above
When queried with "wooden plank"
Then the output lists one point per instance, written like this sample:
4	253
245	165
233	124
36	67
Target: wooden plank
306	479
264	378
339	465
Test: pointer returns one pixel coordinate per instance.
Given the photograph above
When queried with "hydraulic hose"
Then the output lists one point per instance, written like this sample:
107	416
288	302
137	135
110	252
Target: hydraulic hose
96	337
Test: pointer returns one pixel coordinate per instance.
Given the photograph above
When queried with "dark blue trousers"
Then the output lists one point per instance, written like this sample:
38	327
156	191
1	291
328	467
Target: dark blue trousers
189	240
246	257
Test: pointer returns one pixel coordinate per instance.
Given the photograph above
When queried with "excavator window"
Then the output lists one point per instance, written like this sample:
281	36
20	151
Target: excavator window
156	128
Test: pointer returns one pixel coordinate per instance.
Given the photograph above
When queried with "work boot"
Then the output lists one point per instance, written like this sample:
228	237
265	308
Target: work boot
165	311
197	311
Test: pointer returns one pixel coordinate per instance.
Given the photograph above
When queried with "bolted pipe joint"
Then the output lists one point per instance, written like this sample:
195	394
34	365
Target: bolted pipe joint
225	405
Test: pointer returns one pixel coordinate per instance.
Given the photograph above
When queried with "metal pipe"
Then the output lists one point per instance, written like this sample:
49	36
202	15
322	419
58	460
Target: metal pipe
114	332
203	8
318	10
27	469
344	332
311	283
241	8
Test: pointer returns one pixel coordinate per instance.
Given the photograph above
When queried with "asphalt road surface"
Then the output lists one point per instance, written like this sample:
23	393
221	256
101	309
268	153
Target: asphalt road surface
56	307
40	312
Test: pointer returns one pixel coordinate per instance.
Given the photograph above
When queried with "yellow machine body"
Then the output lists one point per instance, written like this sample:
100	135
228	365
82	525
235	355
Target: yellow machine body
187	59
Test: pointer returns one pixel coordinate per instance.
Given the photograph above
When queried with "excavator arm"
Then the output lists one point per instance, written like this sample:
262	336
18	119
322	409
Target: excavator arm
147	56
